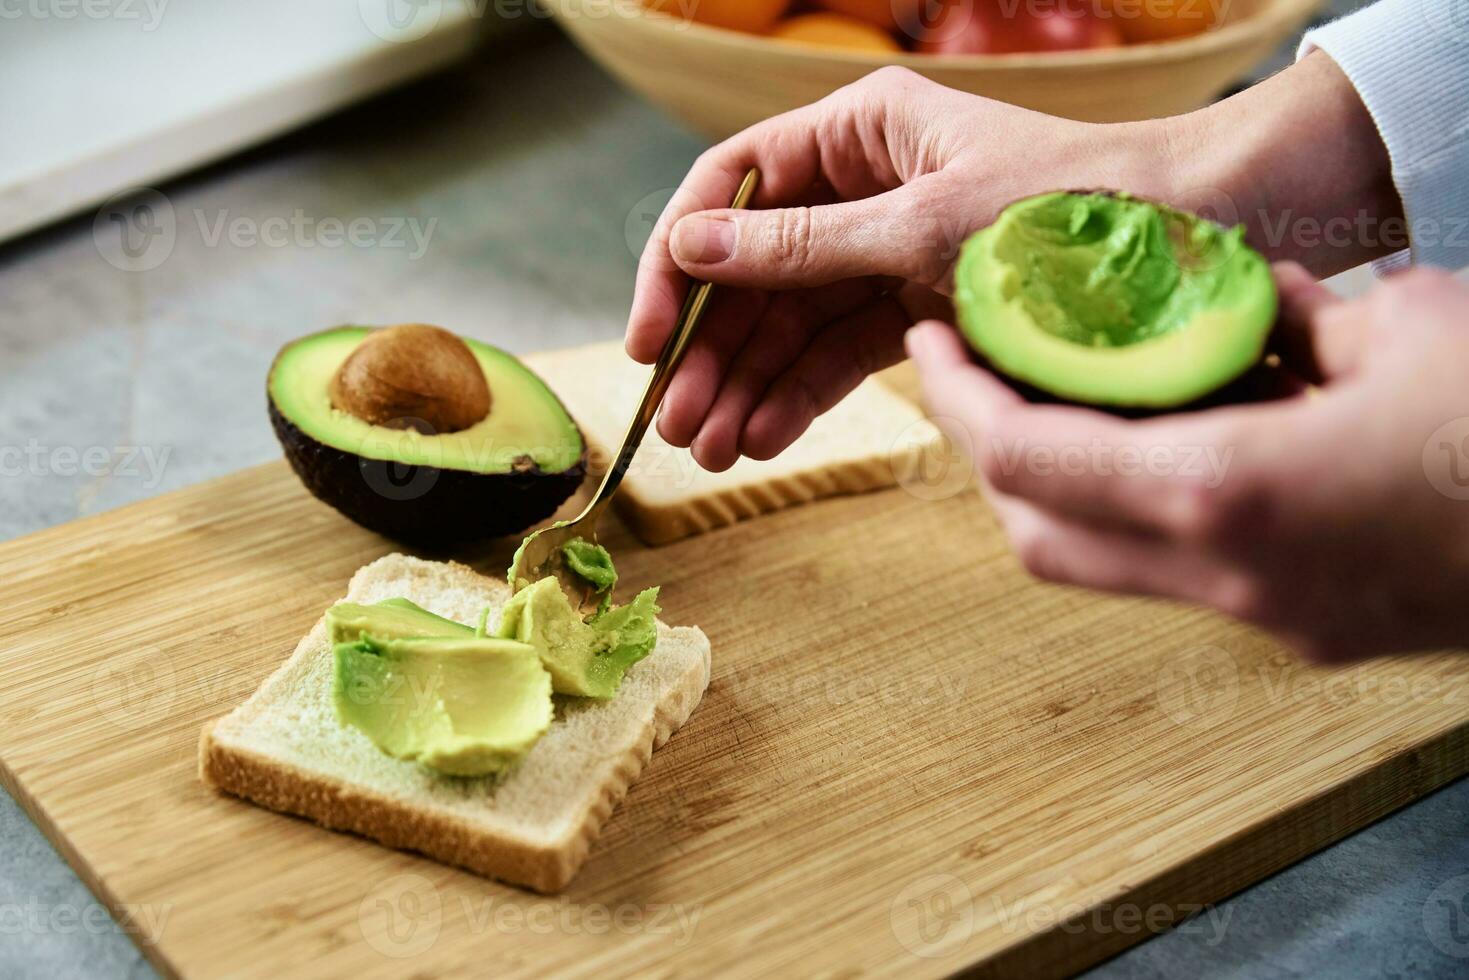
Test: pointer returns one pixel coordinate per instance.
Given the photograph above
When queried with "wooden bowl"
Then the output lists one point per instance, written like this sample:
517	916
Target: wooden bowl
721	81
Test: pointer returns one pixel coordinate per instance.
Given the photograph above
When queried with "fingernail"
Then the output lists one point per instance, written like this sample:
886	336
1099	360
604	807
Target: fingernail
918	341
703	240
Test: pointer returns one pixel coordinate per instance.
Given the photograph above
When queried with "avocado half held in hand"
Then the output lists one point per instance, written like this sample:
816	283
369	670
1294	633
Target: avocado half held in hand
1108	300
423	436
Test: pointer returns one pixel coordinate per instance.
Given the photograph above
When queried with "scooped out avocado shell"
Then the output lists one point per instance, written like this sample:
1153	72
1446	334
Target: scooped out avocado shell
1110	300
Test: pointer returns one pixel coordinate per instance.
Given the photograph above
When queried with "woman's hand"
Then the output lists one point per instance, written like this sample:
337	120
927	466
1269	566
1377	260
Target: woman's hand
1338	518
867	196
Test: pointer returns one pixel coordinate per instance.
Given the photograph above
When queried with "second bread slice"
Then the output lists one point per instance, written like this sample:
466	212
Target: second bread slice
874	438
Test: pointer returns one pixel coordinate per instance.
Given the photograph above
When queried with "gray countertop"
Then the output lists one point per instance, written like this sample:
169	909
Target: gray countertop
504	199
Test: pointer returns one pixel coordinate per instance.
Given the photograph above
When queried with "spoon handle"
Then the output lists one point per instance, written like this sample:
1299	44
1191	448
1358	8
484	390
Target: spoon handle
663	371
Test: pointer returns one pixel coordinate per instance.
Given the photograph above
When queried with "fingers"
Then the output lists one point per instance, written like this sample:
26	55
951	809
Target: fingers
953	384
1067	552
858	143
778	360
1320	336
1166	476
1301	299
923	303
790	157
660	286
1069	546
1417	301
1325	338
900	233
720	337
838	359
784	330
1188	477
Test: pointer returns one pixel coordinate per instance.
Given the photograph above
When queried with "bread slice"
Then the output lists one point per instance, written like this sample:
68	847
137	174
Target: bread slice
284	749
873	439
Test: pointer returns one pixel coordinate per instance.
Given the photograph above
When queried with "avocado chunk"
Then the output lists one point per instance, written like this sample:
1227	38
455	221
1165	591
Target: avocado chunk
461	707
585	658
591	562
1109	300
432	468
391	619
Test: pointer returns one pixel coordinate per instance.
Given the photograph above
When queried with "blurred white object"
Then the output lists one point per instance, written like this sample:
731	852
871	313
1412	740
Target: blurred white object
105	96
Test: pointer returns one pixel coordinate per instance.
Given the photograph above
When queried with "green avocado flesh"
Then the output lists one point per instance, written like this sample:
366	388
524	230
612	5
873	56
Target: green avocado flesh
460	706
590	561
501	475
427	689
586	658
526	421
391	619
1109	300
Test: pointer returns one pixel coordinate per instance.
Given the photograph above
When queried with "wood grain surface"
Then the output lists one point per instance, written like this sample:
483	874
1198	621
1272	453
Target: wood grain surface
912	759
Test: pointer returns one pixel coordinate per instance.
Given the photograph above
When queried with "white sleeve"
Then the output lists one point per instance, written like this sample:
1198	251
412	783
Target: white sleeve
1409	61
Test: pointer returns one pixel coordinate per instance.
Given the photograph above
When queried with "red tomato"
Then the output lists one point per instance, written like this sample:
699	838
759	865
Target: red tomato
1072	27
1011	26
962	27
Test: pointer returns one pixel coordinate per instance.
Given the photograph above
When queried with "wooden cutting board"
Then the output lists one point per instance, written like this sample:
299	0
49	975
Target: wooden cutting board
911	759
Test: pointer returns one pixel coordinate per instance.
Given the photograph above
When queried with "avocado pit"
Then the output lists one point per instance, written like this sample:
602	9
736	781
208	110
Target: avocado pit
394	428
413	376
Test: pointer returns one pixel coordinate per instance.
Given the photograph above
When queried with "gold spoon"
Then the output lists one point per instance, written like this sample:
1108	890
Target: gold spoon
541	554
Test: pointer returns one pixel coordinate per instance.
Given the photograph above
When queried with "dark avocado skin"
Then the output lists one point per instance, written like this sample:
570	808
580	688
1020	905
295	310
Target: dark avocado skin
439	509
1261	383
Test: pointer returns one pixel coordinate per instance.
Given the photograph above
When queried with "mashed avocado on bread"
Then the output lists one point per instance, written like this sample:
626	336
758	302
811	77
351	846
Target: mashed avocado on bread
591	562
464	703
586	658
462	707
1110	300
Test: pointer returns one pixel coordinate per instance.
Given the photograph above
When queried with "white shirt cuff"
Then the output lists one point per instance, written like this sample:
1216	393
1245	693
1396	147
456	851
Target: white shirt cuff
1409	61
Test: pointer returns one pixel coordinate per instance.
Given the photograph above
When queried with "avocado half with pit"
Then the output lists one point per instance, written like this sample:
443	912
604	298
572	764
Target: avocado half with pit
1109	300
423	436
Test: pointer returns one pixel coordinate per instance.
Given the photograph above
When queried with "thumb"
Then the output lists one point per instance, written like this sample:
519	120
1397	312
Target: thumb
953	385
963	399
898	234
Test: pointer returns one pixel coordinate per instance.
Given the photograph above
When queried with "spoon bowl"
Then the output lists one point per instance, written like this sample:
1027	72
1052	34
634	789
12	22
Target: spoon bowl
543	553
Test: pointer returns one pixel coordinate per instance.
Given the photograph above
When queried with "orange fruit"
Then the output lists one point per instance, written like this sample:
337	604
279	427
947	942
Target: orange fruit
752	16
1159	20
887	14
835	31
